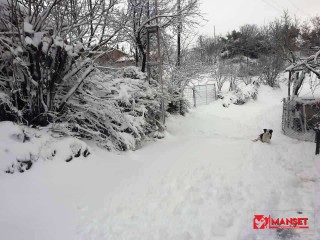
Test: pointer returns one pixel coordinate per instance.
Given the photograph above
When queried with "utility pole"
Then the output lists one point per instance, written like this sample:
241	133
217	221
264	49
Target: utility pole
180	104
148	9
179	34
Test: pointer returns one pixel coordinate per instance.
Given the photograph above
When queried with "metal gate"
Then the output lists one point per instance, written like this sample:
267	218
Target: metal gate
200	94
299	119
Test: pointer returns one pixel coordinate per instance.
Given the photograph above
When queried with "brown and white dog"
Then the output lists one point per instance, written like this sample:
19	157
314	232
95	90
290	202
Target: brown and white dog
264	137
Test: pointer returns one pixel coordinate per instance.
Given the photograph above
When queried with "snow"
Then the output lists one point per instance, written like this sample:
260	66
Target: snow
18	50
58	41
125	59
29	41
37	38
28	28
241	95
202	79
123	93
203	181
22	144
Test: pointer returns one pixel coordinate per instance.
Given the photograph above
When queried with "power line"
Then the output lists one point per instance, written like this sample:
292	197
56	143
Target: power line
277	5
271	5
297	8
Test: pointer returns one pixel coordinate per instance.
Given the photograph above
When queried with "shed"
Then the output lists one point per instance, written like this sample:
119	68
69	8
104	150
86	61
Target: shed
301	108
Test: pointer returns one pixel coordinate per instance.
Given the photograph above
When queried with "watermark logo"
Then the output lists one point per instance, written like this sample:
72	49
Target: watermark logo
261	222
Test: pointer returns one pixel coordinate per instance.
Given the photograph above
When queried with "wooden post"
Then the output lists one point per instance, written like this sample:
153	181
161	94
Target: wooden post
317	130
206	94
288	113
194	97
179	34
148	57
215	91
289	84
155	29
284	115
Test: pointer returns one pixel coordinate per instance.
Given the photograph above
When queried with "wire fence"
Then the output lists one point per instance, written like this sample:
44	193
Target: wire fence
300	118
200	94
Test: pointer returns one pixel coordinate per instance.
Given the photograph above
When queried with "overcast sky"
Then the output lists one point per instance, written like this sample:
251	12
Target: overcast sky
227	15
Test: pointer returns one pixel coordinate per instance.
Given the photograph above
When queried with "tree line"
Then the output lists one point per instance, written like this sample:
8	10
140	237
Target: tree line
285	37
262	50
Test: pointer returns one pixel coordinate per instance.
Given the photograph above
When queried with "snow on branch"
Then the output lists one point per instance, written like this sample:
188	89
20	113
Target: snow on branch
117	111
75	87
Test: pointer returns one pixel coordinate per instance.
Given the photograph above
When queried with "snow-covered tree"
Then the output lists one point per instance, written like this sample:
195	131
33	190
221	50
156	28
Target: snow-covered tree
142	13
46	49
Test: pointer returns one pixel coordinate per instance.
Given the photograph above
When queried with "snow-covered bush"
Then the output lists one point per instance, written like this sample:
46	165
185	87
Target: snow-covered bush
115	111
271	66
178	104
21	147
44	79
177	78
133	72
241	95
220	75
40	69
245	93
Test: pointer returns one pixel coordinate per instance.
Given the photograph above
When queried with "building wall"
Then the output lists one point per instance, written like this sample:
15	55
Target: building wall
110	59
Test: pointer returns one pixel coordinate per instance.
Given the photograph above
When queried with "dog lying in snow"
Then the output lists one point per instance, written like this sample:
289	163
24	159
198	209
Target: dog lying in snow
265	137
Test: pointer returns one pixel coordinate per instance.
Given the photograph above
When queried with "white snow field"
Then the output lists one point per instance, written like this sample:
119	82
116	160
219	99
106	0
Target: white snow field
204	181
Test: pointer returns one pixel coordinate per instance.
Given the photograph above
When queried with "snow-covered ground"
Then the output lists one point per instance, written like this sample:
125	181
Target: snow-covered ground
205	180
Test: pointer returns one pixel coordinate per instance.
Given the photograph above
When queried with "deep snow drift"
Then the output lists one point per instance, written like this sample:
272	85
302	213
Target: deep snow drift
203	181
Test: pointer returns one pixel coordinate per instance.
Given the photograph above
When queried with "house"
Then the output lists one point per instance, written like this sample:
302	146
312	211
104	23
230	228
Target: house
116	58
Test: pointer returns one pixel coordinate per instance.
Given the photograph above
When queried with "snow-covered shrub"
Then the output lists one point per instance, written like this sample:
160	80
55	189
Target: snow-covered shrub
21	147
220	74
134	73
41	65
241	95
247	69
245	93
178	104
45	79
176	79
271	66
115	111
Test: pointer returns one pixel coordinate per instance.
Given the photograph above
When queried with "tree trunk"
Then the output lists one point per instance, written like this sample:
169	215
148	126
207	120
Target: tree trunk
298	82
142	52
144	62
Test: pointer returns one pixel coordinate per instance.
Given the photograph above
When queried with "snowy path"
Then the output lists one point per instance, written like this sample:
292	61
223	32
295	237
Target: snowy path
203	181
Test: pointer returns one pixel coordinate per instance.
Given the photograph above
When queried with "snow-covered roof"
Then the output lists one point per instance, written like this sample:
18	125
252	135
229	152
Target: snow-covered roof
125	59
311	63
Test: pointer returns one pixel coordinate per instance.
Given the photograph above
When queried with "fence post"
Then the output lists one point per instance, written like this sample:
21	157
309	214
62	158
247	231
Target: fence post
206	94
288	113
289	84
194	97
317	130
304	118
283	114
